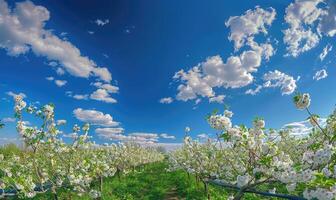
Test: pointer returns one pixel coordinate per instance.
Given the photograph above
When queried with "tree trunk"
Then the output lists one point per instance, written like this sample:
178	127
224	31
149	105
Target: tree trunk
206	189
239	195
101	185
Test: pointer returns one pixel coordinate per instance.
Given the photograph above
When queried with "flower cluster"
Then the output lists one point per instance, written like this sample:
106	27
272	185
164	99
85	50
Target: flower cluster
248	157
47	163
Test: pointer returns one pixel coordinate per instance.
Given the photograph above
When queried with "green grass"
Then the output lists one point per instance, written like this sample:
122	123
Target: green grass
152	182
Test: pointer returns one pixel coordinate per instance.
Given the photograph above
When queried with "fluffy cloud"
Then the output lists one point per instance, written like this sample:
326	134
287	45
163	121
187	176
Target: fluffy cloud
217	99
61	122
108	87
117	134
325	52
166	136
251	23
102	95
308	21
80	96
321	74
101	22
286	83
23	29
254	91
77	96
95	117
166	100
109	133
60	83
237	71
144	135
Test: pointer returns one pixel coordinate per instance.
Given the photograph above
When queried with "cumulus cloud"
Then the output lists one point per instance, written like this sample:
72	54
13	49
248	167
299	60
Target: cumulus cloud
50	78
101	22
117	134
95	117
23	29
254	91
108	87
60	71
166	136
308	21
286	83
217	99
321	74
237	71
325	52
60	83
61	122
166	100
251	23
110	133
102	95
77	96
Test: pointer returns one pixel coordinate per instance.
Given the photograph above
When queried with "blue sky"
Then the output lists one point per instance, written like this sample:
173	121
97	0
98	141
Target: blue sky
143	44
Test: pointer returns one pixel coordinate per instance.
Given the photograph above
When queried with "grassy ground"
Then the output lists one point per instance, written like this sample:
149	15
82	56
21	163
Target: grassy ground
153	183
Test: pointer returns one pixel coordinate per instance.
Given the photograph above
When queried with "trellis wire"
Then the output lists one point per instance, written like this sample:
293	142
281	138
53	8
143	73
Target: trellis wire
283	196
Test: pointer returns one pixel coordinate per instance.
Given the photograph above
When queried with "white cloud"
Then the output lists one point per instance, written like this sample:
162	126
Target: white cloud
77	96
203	78
321	74
63	34
254	91
237	71
80	96
95	117
91	32
166	136
251	23
308	21
286	83
145	135
217	99
60	71
53	64
50	78
12	94
102	95
110	133
203	136
166	100
101	22
325	52
108	87
116	134
8	119
61	122
23	29
60	83
302	128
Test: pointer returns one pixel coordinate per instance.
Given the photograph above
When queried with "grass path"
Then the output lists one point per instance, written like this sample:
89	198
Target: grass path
151	182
